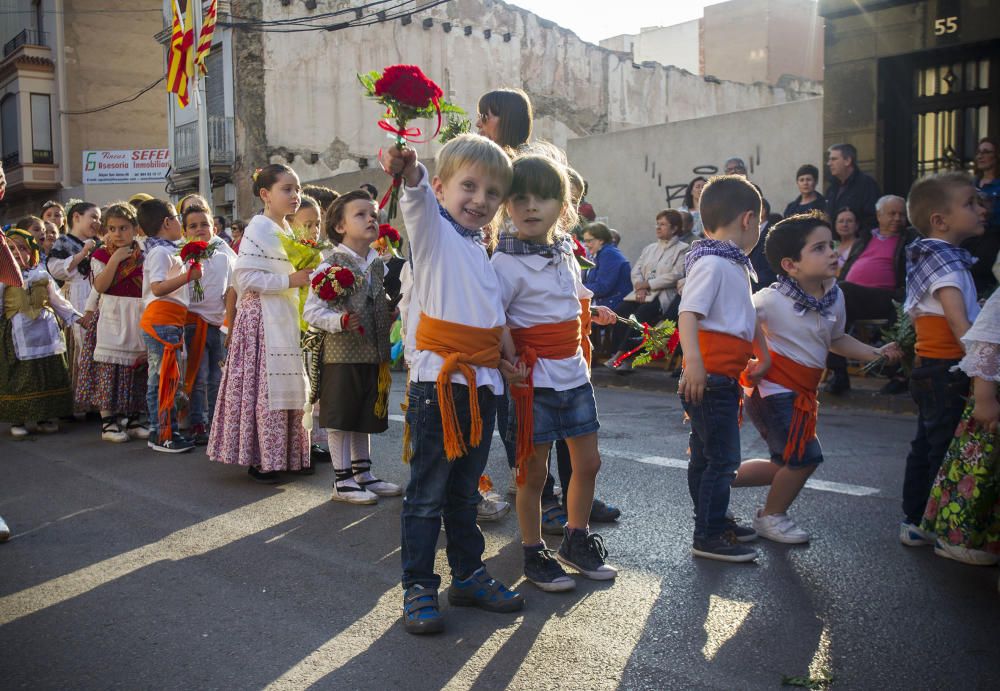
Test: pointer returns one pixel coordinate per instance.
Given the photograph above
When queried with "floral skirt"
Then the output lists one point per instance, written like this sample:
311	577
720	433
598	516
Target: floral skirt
31	390
964	504
106	386
244	431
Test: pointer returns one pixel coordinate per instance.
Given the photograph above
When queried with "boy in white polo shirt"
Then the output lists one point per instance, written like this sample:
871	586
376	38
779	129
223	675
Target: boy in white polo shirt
802	316
206	315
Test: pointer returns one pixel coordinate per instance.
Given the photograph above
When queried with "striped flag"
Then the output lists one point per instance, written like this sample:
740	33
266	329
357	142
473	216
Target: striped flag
10	272
205	36
179	68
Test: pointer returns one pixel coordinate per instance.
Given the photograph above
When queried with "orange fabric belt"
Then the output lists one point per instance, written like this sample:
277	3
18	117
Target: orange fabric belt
935	339
724	353
165	313
196	351
462	347
804	381
552	342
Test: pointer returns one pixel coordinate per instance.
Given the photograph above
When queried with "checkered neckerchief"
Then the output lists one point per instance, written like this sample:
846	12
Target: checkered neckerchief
928	260
718	248
804	302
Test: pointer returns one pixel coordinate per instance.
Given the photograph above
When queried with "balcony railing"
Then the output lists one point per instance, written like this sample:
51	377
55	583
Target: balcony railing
28	37
221	143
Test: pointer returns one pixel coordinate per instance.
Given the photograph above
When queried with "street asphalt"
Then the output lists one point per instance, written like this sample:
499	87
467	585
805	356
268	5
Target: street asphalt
129	569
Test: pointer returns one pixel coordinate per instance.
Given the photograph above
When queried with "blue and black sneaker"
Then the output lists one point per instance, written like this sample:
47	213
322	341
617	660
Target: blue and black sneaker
421	613
482	591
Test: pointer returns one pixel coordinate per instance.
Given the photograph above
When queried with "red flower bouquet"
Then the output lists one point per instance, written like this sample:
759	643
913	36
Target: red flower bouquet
193	254
389	240
407	93
334	284
657	341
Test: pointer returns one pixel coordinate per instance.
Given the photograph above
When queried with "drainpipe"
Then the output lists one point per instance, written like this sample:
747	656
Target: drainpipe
60	50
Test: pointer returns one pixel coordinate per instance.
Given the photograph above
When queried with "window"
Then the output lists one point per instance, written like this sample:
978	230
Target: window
41	129
9	131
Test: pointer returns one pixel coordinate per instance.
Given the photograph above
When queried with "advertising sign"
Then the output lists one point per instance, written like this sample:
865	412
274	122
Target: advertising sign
129	165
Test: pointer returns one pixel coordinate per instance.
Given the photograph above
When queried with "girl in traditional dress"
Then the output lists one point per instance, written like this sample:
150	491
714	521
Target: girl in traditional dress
34	381
113	362
258	416
964	505
355	376
69	262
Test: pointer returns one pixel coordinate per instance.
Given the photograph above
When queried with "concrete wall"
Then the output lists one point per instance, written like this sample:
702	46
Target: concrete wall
636	173
106	60
312	104
678	45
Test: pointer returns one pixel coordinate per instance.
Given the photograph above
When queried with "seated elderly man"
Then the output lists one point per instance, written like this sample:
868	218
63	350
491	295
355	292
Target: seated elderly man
874	275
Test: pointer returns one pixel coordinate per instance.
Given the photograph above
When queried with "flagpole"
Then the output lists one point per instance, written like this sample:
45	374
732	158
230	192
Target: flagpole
201	104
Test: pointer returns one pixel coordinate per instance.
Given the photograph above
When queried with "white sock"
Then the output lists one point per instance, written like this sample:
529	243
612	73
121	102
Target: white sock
360	446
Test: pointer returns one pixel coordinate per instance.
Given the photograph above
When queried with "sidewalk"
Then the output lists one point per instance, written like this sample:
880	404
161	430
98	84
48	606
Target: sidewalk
863	395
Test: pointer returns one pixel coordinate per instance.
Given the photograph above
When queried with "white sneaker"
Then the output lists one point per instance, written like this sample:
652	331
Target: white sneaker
4	531
111	431
974	557
912	536
48	426
18	431
349	492
779	528
492	507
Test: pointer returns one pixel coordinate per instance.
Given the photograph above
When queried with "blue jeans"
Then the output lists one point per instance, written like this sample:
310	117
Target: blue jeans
715	453
206	383
170	334
940	396
441	487
772	416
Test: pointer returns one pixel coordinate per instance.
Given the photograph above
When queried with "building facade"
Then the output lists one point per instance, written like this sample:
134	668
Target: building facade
63	62
912	84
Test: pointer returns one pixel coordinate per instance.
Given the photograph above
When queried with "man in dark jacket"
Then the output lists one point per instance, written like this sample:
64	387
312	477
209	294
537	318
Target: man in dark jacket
850	187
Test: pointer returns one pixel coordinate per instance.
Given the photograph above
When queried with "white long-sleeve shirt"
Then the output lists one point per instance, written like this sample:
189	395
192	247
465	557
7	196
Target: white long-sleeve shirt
453	280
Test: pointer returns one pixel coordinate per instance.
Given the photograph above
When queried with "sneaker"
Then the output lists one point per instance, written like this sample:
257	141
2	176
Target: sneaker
347	489
269	478
363	476
542	568
554	519
112	431
973	557
912	536
586	553
492	508
741	532
175	445
779	528
482	591
4	531
135	428
18	431
421	612
601	512
48	426
610	362
723	548
199	435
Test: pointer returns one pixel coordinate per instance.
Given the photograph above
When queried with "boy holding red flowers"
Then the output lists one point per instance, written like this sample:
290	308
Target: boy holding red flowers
455	324
348	303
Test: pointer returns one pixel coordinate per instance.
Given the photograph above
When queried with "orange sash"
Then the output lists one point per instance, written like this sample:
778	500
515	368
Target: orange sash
165	313
804	381
462	347
935	339
197	350
724	353
549	341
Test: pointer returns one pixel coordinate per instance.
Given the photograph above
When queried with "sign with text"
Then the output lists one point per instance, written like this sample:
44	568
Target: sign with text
129	165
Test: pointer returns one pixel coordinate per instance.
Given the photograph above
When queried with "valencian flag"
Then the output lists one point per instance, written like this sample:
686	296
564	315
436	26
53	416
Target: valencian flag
205	37
180	59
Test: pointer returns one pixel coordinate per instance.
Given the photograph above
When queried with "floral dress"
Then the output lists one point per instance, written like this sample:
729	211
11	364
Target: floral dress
964	504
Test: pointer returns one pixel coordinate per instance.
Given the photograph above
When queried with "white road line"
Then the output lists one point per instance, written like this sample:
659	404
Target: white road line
682	464
400	418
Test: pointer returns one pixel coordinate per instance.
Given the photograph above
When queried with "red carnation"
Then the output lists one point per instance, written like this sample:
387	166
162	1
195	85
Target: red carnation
409	85
345	277
327	292
317	279
387	231
674	341
193	249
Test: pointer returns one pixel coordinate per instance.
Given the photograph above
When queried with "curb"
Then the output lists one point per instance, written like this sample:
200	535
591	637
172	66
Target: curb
661	381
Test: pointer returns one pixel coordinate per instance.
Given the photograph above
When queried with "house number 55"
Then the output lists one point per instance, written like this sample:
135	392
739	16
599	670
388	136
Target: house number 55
947	25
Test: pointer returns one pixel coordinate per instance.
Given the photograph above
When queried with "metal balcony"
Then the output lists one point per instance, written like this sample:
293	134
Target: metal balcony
221	144
28	37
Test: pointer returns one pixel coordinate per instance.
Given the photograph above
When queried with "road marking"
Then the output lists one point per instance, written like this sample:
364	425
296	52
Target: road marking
400	418
682	464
